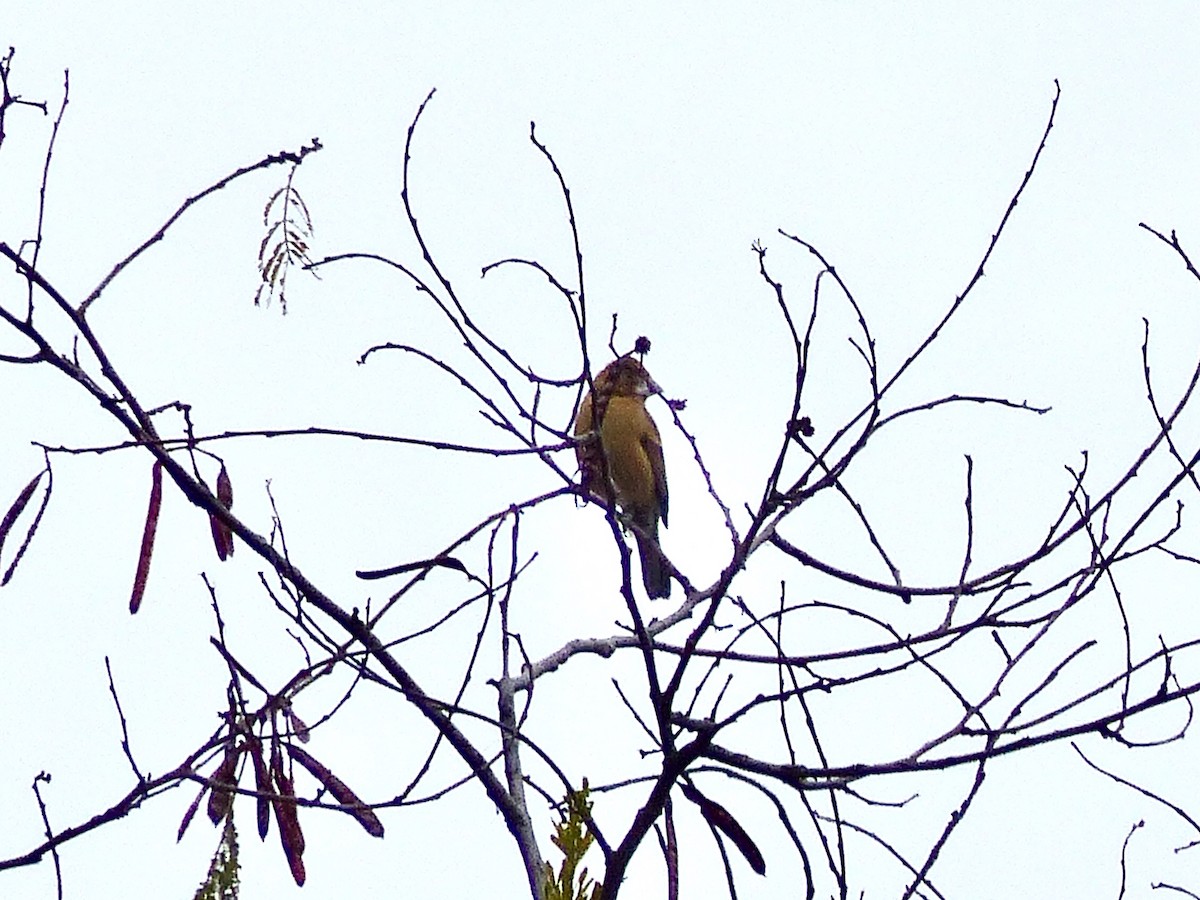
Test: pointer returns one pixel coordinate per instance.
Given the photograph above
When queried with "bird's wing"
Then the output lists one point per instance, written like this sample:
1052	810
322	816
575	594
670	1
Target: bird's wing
653	447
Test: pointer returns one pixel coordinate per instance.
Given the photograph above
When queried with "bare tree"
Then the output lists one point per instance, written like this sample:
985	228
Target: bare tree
727	696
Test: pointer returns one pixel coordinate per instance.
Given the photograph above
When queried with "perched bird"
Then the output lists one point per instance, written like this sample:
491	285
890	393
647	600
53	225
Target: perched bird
618	436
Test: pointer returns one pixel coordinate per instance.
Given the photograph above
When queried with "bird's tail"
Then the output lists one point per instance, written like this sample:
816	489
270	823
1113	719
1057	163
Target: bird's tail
655	575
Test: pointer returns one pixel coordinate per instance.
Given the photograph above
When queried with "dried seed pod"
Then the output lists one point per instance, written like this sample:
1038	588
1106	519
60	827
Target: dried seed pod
147	549
262	784
720	818
222	534
363	814
220	801
17	508
14	512
290	835
190	814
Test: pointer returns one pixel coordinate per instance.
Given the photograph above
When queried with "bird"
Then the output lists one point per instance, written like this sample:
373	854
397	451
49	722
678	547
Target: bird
617	438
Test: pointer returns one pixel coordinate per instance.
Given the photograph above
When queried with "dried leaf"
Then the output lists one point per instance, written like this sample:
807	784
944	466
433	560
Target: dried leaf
262	248
298	725
147	550
299	201
363	814
270	202
721	819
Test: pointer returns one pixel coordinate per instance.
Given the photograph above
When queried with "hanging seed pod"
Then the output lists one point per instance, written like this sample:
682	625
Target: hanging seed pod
220	801
14	512
17	508
147	549
190	814
222	534
262	784
363	814
720	818
290	835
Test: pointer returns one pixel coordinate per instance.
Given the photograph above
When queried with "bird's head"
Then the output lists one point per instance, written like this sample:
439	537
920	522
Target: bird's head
626	377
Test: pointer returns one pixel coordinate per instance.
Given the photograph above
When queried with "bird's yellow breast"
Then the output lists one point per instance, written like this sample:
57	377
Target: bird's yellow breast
629	437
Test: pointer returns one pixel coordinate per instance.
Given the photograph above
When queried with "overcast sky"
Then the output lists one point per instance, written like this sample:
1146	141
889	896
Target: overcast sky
890	135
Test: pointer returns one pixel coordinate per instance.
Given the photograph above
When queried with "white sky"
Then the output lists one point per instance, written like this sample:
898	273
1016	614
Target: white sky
890	135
